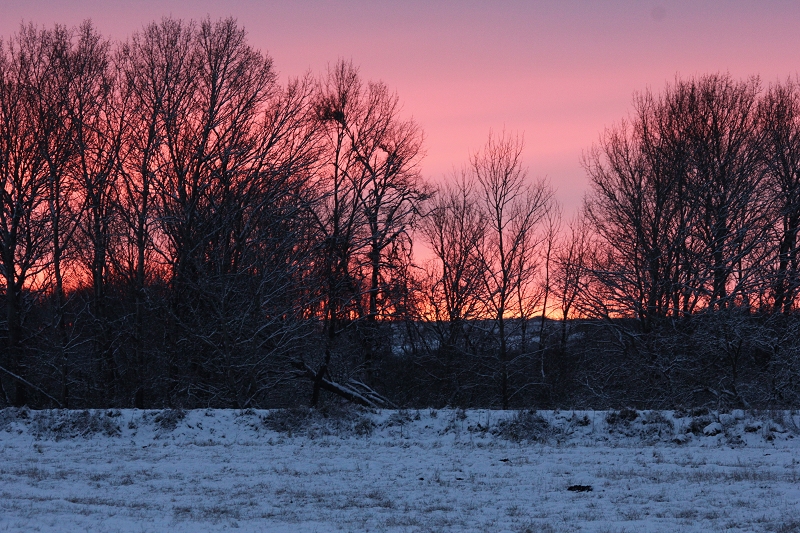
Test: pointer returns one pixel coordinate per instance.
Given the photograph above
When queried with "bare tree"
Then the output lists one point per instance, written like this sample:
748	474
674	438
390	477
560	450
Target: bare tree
779	124
371	191
152	65
389	150
23	192
637	208
338	218
552	228
727	183
96	115
513	208
239	153
571	272
454	229
56	148
681	212
676	197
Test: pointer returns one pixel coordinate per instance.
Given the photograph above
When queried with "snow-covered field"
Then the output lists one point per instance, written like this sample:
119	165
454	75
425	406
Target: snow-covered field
398	471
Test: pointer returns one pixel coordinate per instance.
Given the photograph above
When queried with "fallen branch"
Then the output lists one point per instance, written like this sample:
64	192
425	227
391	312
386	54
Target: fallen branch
366	396
29	384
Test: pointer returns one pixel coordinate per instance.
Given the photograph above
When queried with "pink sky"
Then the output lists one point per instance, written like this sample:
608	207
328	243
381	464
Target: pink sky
558	71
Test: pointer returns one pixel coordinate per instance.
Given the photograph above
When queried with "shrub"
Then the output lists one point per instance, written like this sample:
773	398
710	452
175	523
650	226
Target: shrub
334	420
699	423
65	424
168	419
582	421
9	415
525	426
401	417
622	416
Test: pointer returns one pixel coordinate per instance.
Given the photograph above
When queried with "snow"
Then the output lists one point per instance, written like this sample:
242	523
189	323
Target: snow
397	471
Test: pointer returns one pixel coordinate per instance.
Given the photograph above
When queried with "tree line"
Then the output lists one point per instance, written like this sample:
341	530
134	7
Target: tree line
178	228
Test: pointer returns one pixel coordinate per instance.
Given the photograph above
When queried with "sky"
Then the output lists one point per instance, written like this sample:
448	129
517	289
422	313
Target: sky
557	72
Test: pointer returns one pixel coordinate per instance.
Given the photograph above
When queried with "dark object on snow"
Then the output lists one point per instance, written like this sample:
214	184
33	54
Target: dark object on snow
580	488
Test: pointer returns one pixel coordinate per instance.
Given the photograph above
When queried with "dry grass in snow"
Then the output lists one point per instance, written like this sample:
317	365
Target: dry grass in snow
448	471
